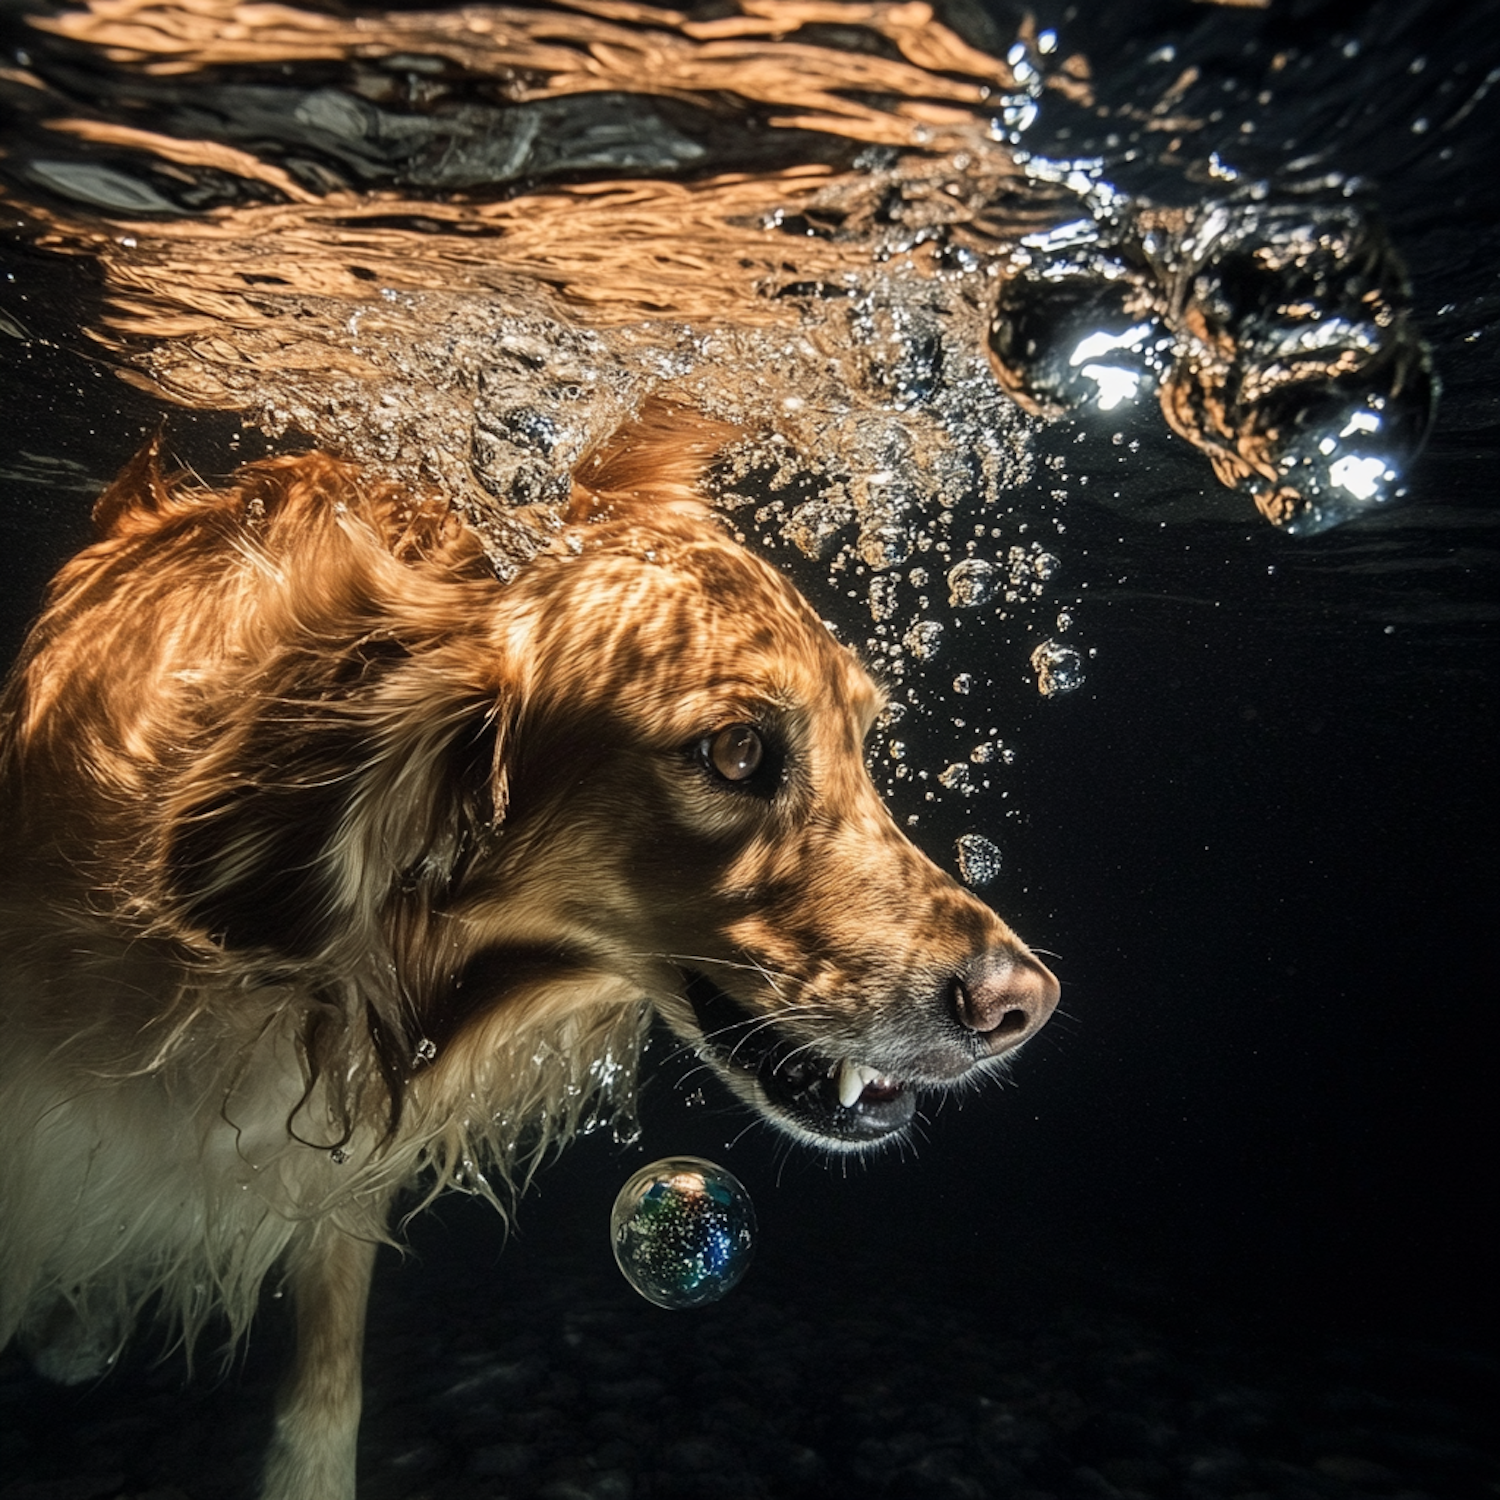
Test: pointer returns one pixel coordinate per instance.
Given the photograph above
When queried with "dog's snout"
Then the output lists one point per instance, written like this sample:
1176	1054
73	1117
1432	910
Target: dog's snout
1005	997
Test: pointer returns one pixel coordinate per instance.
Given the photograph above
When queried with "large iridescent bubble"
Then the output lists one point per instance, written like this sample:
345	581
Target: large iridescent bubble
683	1231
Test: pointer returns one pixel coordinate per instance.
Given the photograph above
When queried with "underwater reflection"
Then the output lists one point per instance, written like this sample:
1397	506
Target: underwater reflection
1276	337
467	244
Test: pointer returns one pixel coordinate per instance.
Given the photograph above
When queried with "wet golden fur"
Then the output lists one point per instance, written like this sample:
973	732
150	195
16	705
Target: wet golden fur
332	864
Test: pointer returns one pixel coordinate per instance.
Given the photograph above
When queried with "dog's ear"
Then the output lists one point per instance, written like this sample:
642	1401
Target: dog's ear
651	466
138	496
307	824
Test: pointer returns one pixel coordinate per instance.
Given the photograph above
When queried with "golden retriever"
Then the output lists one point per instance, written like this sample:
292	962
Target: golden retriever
335	862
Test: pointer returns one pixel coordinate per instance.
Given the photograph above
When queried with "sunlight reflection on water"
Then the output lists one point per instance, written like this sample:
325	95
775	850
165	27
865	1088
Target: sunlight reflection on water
467	245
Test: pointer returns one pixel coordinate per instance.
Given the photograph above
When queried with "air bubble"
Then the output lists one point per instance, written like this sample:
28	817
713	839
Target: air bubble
884	546
970	582
882	597
683	1232
1058	668
924	639
957	778
978	859
813	525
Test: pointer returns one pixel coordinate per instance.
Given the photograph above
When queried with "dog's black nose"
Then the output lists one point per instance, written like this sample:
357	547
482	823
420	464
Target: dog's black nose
1006	997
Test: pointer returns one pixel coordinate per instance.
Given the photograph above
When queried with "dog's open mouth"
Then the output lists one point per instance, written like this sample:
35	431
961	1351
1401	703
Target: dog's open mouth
840	1100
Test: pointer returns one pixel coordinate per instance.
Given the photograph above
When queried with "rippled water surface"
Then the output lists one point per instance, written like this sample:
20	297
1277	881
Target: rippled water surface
954	290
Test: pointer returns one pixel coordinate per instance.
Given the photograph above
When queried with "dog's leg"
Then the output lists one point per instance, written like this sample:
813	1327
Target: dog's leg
317	1417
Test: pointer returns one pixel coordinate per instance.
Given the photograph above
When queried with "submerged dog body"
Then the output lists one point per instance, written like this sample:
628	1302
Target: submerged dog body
332	863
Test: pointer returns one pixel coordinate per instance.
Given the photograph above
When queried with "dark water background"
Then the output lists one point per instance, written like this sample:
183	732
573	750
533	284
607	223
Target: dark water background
1229	1232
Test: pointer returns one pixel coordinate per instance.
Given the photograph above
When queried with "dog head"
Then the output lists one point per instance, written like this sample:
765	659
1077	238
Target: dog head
636	769
689	805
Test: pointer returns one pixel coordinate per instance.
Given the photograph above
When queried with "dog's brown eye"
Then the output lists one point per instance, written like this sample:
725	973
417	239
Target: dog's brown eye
736	752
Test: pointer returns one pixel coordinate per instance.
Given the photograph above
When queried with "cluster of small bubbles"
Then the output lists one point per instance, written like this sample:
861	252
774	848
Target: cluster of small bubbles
958	778
902	343
924	639
884	546
883	595
813	525
606	1069
978	859
469	1178
1018	108
1058	668
1064	619
970	583
683	1232
619	1119
425	1051
983	753
963	683
1028	570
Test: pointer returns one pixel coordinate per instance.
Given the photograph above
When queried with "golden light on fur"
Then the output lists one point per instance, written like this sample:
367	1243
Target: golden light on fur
334	866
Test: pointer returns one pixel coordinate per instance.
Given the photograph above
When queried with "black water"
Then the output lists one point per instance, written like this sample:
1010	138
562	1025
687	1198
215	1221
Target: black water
1228	1232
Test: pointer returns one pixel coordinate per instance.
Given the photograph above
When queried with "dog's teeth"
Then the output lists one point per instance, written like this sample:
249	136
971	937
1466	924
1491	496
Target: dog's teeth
853	1078
851	1083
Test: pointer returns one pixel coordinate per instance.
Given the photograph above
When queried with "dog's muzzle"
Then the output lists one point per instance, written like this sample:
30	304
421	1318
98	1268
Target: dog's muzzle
992	1005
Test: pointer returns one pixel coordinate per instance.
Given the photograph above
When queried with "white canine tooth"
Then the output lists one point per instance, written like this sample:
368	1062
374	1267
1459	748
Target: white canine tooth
853	1078
851	1083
